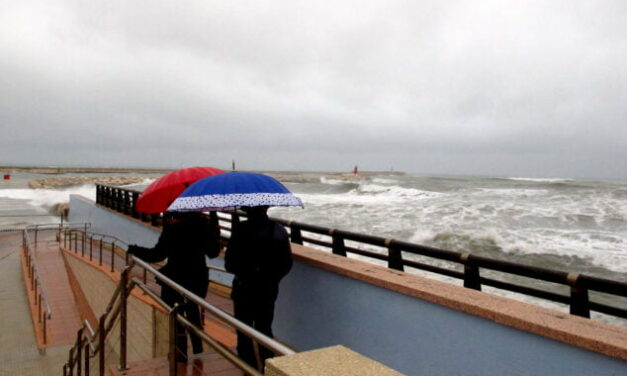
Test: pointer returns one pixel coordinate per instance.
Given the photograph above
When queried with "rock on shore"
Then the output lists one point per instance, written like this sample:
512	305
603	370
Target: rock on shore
68	181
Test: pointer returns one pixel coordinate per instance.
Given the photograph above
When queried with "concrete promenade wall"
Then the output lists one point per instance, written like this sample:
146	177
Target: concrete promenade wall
423	328
145	338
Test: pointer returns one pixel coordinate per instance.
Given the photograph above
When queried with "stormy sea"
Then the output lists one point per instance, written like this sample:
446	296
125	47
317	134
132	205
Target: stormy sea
572	225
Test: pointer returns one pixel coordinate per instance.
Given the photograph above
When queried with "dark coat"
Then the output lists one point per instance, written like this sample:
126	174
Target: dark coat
259	254
185	245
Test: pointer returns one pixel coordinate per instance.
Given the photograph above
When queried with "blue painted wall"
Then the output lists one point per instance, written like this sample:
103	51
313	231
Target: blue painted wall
317	308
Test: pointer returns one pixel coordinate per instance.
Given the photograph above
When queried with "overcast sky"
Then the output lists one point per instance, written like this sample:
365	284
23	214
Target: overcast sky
509	88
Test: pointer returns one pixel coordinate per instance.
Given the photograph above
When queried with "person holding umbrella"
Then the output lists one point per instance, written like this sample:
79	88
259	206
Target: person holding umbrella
185	241
259	252
259	255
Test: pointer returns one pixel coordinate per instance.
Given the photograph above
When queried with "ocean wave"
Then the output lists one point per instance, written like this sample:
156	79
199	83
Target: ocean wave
384	181
512	192
325	180
48	198
586	252
395	191
542	180
142	184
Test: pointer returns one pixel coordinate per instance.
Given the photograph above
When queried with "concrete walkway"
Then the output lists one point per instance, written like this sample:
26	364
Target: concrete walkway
18	349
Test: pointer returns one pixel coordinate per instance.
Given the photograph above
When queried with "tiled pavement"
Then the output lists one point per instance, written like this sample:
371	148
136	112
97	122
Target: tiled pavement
18	350
65	320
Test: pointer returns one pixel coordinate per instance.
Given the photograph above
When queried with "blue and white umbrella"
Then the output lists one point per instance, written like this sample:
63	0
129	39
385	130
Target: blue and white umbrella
232	190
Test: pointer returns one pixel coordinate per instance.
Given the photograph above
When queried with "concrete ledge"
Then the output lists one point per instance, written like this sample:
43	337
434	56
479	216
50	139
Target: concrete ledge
573	330
330	361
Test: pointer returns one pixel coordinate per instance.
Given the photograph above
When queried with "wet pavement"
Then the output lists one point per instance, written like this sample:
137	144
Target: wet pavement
19	354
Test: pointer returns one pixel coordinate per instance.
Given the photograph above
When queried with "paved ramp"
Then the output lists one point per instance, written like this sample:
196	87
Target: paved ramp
18	350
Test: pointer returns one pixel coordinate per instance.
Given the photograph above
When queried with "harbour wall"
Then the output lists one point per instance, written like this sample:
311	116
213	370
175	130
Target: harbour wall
414	325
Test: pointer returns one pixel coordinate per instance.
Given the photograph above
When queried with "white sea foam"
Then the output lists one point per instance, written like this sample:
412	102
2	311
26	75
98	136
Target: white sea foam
542	180
324	180
47	198
384	181
143	183
369	194
512	192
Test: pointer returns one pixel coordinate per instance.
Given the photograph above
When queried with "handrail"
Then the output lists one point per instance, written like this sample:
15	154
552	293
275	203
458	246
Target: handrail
116	307
41	297
34	275
270	343
580	284
224	351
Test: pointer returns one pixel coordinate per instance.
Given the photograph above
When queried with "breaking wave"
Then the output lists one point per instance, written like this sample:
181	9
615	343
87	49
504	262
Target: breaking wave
48	198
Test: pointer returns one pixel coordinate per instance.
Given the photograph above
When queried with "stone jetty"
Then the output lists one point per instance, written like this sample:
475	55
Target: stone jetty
68	181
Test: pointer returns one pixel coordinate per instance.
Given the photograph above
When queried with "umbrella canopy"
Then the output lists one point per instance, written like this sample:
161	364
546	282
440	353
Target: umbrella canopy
232	190
160	194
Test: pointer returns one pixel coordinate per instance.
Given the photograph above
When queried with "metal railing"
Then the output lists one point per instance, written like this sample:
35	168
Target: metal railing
394	253
40	298
36	287
90	343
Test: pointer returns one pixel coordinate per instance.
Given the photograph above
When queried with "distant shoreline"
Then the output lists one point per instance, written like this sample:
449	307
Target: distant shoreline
112	176
113	170
65	170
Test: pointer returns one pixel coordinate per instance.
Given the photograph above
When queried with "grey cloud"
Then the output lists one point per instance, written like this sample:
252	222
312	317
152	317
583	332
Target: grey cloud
442	87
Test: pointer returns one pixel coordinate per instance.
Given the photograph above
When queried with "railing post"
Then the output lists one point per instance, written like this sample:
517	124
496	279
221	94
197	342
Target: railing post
83	235
472	280
87	359
79	354
123	318
100	262
579	300
338	247
91	247
126	202
115	195
395	257
112	256
101	346
38	307
154	219
70	365
76	242
172	344
295	234
134	205
45	328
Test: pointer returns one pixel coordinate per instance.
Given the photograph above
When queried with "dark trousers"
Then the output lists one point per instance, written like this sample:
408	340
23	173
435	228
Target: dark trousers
191	311
258	312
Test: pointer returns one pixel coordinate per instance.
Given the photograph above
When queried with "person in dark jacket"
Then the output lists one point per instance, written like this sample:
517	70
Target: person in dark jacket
259	255
186	240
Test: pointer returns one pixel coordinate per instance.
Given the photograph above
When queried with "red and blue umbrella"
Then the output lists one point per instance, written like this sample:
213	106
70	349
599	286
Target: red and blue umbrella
159	195
232	190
